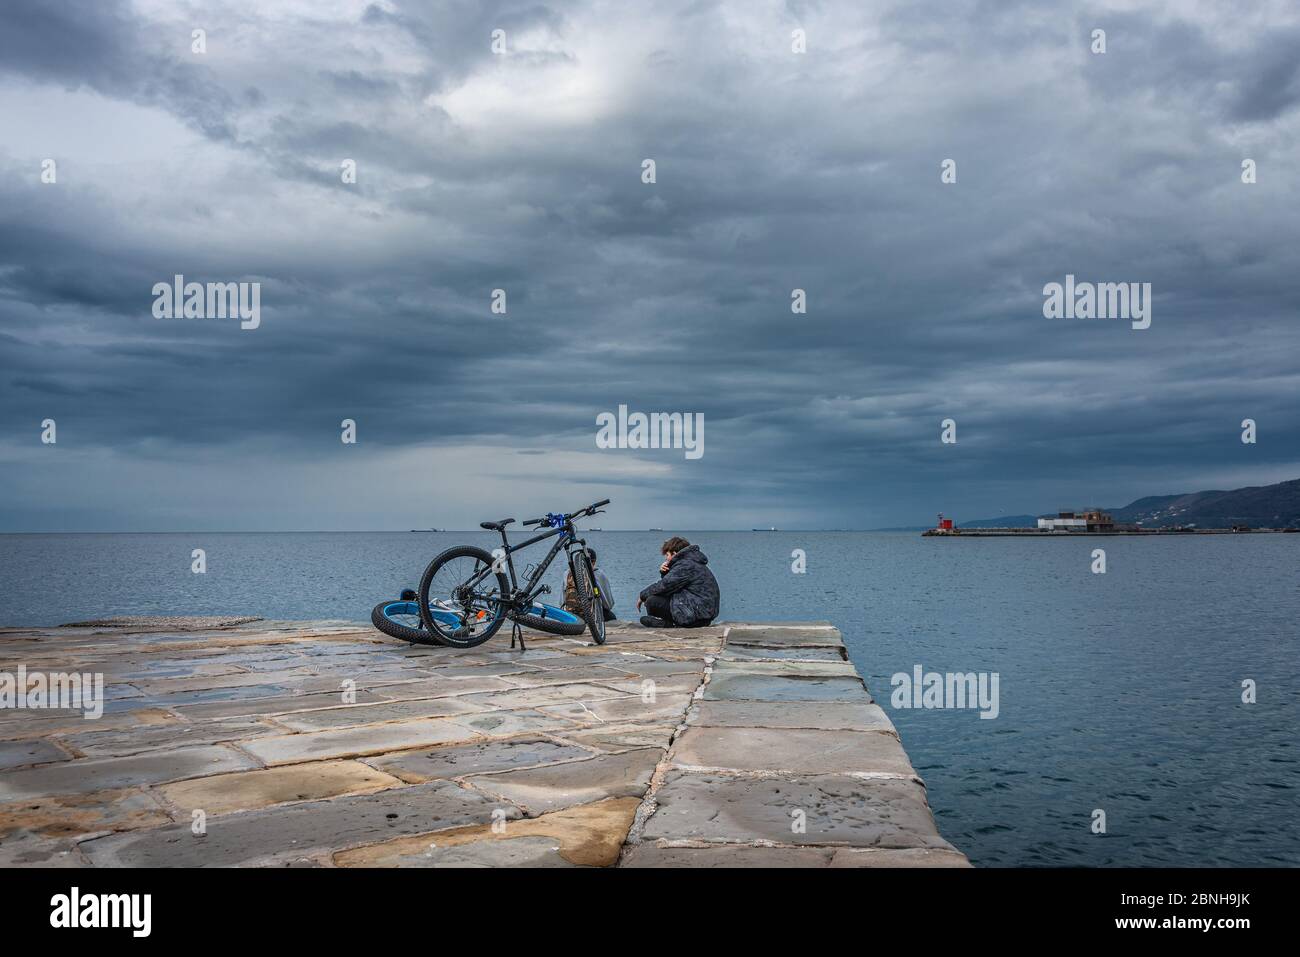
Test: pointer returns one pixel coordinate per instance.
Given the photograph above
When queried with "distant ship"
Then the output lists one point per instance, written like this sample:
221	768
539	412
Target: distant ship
426	530
656	529
772	529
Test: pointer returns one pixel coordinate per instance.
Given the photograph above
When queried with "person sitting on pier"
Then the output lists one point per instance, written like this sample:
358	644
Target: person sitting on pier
686	595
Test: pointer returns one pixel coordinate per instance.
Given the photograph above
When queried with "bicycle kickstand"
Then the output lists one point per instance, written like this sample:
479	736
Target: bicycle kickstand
517	633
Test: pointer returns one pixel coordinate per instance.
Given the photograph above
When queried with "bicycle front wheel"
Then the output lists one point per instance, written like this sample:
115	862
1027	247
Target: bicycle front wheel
589	601
401	619
462	600
550	619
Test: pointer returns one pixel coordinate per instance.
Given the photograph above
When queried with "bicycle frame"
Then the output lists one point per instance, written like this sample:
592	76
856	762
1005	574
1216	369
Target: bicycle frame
523	598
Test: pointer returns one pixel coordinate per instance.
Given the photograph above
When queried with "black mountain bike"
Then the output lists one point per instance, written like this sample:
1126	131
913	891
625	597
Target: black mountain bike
465	595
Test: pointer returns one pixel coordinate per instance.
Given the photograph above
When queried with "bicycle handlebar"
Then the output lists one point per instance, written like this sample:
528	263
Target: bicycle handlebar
589	510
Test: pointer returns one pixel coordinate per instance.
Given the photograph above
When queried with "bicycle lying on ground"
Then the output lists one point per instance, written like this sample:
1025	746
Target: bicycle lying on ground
400	618
465	595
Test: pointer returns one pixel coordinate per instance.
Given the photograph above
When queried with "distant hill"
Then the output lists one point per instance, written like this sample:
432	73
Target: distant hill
1258	506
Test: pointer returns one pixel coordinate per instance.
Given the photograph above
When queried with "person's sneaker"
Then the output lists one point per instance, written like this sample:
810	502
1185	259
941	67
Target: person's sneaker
650	621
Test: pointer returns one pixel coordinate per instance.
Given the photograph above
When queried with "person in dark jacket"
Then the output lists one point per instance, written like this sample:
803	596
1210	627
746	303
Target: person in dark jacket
686	595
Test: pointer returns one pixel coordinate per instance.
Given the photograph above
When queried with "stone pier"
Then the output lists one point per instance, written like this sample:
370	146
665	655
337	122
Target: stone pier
238	742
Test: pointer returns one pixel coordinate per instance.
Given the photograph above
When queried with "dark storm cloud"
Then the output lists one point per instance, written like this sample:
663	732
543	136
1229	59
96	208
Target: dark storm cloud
99	44
775	171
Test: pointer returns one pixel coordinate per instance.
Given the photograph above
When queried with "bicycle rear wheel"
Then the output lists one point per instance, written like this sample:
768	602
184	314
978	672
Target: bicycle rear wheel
462	598
593	610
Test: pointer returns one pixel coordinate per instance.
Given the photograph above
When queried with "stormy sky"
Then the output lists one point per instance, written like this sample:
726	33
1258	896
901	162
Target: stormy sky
522	171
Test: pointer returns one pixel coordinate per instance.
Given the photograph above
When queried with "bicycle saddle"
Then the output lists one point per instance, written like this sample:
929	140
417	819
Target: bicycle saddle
496	526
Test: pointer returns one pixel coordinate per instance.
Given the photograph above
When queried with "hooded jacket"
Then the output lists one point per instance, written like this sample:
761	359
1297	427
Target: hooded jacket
690	587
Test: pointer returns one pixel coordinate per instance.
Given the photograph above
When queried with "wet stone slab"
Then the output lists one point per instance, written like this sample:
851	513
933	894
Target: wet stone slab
621	737
785	637
277	704
15	754
758	653
126	741
477	758
837	809
828	715
792	750
818	669
725	855
743	686
540	697
294	832
223	793
97	774
590	835
323	744
347	716
439	687
500	724
346	742
657	708
556	786
71	815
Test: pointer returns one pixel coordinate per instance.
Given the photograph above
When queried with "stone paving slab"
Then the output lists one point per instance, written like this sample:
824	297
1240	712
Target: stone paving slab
725	855
898	857
520	721
792	750
744	686
297	832
787	668
328	744
760	653
349	715
276	704
15	754
440	687
415	767
70	815
590	835
828	715
741	855
583	673
121	742
98	774
665	685
556	786
540	697
347	742
837	809
632	708
827	637
242	791
621	737
51	724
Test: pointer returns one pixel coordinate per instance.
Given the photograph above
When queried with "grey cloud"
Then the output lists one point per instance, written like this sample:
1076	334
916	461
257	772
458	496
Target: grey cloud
925	300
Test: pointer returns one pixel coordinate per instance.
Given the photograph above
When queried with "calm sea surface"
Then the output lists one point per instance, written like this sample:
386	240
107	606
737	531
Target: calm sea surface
1119	691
